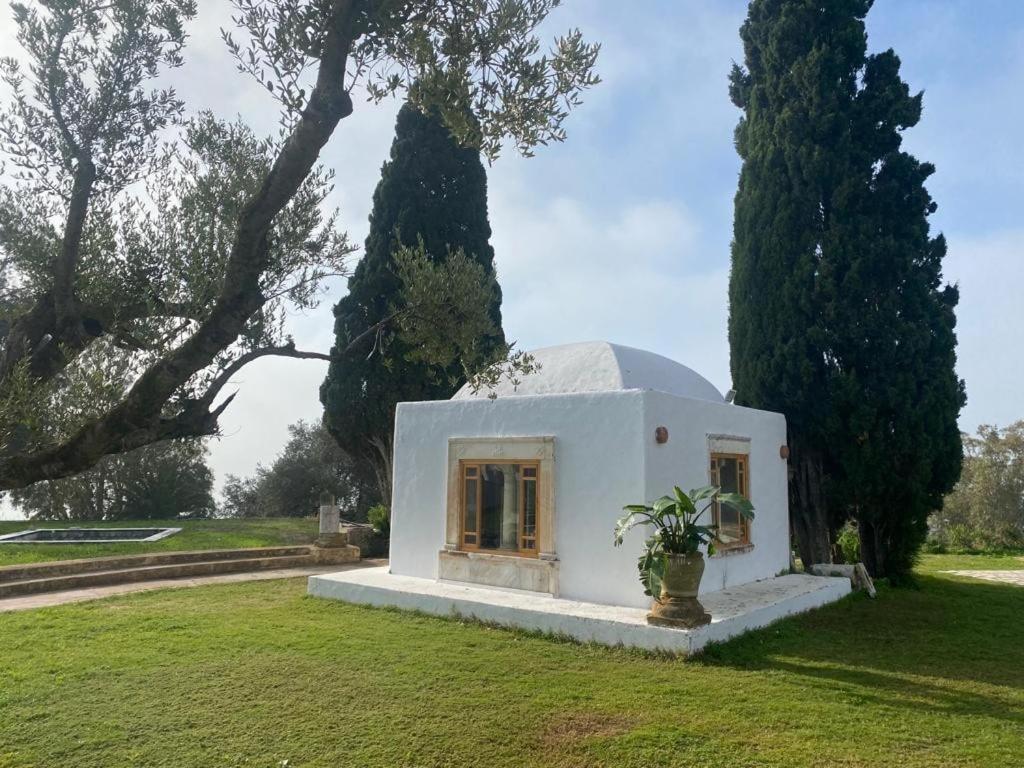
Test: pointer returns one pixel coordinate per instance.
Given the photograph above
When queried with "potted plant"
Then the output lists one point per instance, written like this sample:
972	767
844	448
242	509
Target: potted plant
672	562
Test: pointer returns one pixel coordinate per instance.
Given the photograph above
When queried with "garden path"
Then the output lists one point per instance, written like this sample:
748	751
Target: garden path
93	593
1005	577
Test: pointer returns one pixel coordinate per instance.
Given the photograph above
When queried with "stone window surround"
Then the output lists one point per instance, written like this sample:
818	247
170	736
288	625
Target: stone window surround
498	568
736	444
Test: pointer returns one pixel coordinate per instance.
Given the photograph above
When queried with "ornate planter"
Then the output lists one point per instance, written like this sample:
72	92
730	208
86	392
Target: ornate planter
678	605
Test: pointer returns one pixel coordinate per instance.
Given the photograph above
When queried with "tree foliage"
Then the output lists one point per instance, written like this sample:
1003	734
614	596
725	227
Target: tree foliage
428	226
986	508
310	464
158	482
838	315
159	292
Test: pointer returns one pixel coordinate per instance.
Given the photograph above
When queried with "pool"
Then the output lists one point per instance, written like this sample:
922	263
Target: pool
86	535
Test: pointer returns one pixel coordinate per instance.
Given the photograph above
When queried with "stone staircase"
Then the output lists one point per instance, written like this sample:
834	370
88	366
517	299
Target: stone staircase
63	575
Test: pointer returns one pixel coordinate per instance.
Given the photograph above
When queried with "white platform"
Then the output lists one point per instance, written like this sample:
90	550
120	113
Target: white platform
734	610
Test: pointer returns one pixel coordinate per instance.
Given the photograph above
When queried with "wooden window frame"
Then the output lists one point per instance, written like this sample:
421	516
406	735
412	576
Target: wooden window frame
743	476
474	546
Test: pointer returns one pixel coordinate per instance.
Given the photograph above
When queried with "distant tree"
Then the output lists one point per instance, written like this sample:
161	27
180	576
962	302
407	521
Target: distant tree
838	314
164	290
985	510
432	194
240	497
311	463
158	482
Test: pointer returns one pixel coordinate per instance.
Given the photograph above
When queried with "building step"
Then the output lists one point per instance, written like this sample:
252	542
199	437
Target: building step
153	573
45	570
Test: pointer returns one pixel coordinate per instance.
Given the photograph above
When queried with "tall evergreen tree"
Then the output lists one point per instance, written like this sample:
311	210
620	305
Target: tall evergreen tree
891	333
795	91
837	313
432	191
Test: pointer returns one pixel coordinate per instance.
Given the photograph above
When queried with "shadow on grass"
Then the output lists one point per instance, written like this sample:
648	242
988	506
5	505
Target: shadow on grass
885	689
952	632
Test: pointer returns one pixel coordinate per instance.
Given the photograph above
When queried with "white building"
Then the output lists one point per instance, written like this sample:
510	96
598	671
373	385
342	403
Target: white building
505	508
523	490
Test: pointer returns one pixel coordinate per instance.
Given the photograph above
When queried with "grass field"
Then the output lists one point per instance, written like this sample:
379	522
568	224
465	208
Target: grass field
195	534
258	674
999	561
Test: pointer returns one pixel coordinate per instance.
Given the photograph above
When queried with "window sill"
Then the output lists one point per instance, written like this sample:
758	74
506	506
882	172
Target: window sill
509	554
736	549
499	570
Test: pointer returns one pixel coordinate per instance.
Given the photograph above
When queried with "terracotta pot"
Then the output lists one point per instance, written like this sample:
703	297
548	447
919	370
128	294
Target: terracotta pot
678	605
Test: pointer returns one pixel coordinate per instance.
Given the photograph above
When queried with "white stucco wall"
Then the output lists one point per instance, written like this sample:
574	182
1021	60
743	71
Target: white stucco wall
598	468
605	457
684	461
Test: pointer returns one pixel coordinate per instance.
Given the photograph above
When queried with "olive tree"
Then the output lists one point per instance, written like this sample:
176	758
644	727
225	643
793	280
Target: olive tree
985	510
147	255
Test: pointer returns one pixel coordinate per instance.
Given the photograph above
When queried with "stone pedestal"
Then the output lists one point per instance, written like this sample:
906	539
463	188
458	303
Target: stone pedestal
678	605
679	613
330	522
335	555
358	535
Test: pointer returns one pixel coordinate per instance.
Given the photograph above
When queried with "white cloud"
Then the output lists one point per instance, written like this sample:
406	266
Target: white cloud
272	393
570	273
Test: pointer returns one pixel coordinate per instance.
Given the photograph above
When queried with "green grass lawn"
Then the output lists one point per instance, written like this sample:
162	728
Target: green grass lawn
257	674
195	534
999	561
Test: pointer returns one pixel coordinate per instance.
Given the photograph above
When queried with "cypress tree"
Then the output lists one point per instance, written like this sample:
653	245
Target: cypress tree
432	190
796	92
838	317
891	333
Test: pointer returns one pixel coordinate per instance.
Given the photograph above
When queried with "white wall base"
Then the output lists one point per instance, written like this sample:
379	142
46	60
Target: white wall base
734	610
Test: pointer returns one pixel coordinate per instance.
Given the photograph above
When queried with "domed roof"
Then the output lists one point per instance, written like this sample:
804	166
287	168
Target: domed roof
597	366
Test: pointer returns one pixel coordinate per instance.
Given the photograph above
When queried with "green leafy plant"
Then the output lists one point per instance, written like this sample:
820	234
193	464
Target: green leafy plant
379	516
677	528
849	543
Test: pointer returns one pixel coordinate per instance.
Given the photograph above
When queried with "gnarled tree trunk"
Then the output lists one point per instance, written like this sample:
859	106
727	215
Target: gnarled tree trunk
808	510
873	548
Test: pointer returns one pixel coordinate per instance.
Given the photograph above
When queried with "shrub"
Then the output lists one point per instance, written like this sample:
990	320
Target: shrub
848	542
934	546
379	517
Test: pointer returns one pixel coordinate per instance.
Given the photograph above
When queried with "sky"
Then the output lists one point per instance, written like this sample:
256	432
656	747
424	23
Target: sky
622	232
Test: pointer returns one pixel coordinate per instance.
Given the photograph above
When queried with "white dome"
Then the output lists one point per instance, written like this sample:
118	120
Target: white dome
597	366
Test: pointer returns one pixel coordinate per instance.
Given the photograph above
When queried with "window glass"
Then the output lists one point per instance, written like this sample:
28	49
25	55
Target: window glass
499	511
729	474
500	507
529	513
472	487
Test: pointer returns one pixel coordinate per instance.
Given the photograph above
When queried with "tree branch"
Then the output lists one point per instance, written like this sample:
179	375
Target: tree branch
137	419
54	322
140	310
299	283
287	350
54	100
66	264
372	331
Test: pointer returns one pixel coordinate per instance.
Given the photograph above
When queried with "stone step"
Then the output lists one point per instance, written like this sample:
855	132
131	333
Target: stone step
153	573
53	568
